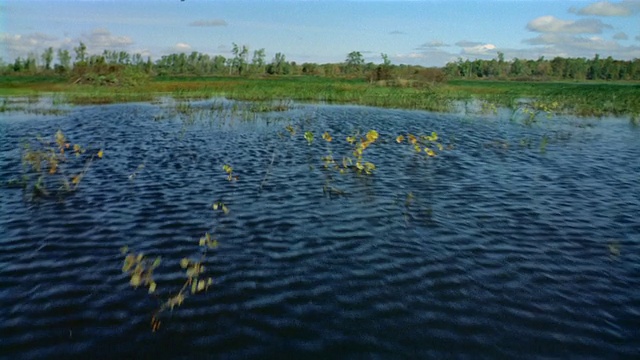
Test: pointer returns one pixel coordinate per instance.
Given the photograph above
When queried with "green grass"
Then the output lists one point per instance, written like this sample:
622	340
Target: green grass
580	98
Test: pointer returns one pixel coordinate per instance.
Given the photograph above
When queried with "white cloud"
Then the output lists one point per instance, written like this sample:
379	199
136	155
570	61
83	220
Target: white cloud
476	48
571	41
101	39
606	8
551	24
581	46
182	47
637	38
20	45
433	53
209	23
430	57
620	36
482	49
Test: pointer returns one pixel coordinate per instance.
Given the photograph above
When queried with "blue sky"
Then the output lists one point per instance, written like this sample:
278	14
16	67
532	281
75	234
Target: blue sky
429	33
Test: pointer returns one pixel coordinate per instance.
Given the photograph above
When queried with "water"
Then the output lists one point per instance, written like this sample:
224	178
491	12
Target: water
500	246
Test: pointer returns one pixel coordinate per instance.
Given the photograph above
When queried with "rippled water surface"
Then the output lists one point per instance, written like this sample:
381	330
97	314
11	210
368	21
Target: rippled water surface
514	241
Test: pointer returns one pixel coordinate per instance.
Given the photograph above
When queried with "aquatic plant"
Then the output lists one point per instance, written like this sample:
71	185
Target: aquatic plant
290	129
229	170
55	166
531	110
219	205
140	270
360	145
422	143
308	135
356	162
270	106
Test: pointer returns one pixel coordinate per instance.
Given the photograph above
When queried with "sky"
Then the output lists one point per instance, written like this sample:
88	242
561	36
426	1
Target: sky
428	33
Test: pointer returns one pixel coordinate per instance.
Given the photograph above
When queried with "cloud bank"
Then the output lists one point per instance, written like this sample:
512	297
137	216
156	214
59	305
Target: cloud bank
551	24
606	8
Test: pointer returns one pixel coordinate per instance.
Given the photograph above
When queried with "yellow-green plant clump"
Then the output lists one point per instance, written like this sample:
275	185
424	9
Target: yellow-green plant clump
55	166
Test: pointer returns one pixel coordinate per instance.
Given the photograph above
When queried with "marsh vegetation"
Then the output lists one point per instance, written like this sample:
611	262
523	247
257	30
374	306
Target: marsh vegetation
585	87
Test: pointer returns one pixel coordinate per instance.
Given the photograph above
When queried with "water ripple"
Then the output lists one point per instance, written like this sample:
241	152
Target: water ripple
494	248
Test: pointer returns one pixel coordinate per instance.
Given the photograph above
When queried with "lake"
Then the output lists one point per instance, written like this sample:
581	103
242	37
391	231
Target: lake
514	241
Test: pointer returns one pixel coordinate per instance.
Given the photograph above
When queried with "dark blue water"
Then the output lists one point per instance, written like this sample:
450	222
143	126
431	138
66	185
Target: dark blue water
515	241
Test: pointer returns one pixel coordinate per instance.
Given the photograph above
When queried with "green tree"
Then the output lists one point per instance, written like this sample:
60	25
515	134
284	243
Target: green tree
310	69
382	71
81	52
257	62
64	61
279	65
354	62
218	64
17	64
30	64
47	58
239	62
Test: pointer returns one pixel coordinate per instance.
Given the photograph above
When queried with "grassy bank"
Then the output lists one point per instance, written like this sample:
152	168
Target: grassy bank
589	99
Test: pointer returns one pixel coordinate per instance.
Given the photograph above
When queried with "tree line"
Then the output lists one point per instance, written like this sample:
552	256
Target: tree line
122	67
558	68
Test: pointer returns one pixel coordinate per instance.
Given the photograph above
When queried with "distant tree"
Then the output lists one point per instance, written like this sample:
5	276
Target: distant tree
17	64
594	68
240	55
137	60
124	58
64	61
81	52
385	59
30	64
382	71
542	68
47	58
354	62
148	65
257	62
310	69
517	67
218	64
279	65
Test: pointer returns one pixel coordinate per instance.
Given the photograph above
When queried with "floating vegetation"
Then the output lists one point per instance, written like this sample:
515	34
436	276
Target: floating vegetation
308	135
32	105
140	269
270	106
55	167
219	205
229	170
422	143
356	161
531	110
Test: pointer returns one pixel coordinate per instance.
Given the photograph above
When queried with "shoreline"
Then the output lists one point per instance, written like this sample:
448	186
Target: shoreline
573	98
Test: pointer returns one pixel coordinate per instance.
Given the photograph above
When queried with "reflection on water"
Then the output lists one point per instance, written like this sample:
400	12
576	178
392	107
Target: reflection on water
496	247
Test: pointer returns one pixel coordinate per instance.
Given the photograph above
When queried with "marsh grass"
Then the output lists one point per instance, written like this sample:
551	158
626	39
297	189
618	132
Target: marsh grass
576	98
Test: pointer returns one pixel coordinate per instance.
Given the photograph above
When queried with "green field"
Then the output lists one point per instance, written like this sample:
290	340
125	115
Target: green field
579	98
